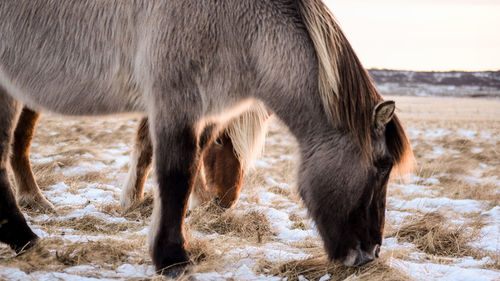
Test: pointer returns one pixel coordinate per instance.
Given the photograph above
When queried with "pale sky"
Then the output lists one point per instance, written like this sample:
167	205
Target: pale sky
422	34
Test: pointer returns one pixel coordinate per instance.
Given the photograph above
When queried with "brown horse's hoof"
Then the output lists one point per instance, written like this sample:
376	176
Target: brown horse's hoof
36	202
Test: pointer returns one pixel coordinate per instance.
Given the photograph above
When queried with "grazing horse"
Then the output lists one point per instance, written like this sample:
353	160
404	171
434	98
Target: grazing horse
225	161
190	63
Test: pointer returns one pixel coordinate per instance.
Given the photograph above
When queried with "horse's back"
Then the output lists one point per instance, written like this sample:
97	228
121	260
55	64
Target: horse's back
99	57
69	57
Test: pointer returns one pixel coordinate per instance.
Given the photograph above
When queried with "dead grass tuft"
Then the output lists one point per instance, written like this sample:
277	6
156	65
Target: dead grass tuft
210	218
316	267
433	235
280	191
89	225
96	177
109	252
456	188
36	258
111	209
200	250
141	210
45	174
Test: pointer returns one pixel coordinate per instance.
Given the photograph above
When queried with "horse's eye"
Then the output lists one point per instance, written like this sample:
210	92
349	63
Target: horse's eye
218	141
384	167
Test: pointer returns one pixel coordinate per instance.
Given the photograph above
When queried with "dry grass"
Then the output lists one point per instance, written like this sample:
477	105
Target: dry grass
316	267
210	218
459	189
235	229
433	234
141	210
107	252
90	225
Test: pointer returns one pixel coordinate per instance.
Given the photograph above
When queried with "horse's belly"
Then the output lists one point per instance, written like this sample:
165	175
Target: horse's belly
72	96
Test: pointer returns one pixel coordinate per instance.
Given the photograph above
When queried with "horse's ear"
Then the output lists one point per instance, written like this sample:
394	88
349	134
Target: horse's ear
383	113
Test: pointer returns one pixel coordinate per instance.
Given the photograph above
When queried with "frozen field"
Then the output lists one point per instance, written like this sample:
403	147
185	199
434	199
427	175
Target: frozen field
442	224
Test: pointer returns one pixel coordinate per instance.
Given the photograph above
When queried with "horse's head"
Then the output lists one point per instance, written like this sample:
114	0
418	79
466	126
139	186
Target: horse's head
223	171
346	193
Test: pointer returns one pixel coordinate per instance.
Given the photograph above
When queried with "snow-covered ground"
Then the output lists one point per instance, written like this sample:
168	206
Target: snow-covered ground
90	188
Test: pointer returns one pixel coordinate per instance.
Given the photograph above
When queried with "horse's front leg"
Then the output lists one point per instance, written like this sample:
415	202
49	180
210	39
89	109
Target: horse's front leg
14	230
28	192
176	162
141	160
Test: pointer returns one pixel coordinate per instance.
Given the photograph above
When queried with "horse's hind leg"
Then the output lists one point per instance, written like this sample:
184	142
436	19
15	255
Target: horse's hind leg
140	166
28	192
13	227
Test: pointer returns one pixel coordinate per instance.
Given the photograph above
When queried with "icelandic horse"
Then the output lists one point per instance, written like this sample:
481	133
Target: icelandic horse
189	63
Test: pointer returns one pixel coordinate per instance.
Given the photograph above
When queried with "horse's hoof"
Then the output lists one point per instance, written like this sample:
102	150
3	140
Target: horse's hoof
172	261
176	272
36	203
21	249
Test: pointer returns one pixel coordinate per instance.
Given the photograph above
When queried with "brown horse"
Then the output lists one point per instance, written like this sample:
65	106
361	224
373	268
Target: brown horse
221	174
187	64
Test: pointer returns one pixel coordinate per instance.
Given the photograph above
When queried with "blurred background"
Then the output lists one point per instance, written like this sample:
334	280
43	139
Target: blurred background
423	35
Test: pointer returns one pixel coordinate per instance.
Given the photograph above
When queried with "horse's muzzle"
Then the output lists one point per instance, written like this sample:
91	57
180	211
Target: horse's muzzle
359	257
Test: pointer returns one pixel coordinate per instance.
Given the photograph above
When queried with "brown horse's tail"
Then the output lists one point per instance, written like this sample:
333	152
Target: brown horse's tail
347	93
248	132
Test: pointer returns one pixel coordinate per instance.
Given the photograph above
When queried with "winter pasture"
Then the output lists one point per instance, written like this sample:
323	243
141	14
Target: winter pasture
443	223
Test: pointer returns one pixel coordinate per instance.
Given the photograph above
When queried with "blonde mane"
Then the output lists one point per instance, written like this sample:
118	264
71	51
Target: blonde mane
248	132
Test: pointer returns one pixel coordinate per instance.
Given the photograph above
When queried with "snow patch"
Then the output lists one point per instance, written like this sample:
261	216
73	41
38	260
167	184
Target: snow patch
434	204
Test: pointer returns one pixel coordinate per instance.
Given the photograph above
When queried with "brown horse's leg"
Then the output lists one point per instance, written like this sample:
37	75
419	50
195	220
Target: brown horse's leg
223	171
200	194
140	165
13	227
28	192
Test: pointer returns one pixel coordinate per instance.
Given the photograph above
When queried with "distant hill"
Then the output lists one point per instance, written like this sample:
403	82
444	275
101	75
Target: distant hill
455	83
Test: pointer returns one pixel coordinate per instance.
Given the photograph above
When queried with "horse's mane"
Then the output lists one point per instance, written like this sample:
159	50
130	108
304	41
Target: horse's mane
347	91
247	133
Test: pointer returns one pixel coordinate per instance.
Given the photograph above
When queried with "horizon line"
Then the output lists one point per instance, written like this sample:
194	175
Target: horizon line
410	70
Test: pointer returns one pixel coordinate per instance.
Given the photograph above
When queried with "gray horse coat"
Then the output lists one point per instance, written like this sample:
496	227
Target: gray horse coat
187	63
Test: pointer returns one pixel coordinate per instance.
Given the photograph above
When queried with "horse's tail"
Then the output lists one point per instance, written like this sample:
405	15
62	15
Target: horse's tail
248	132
